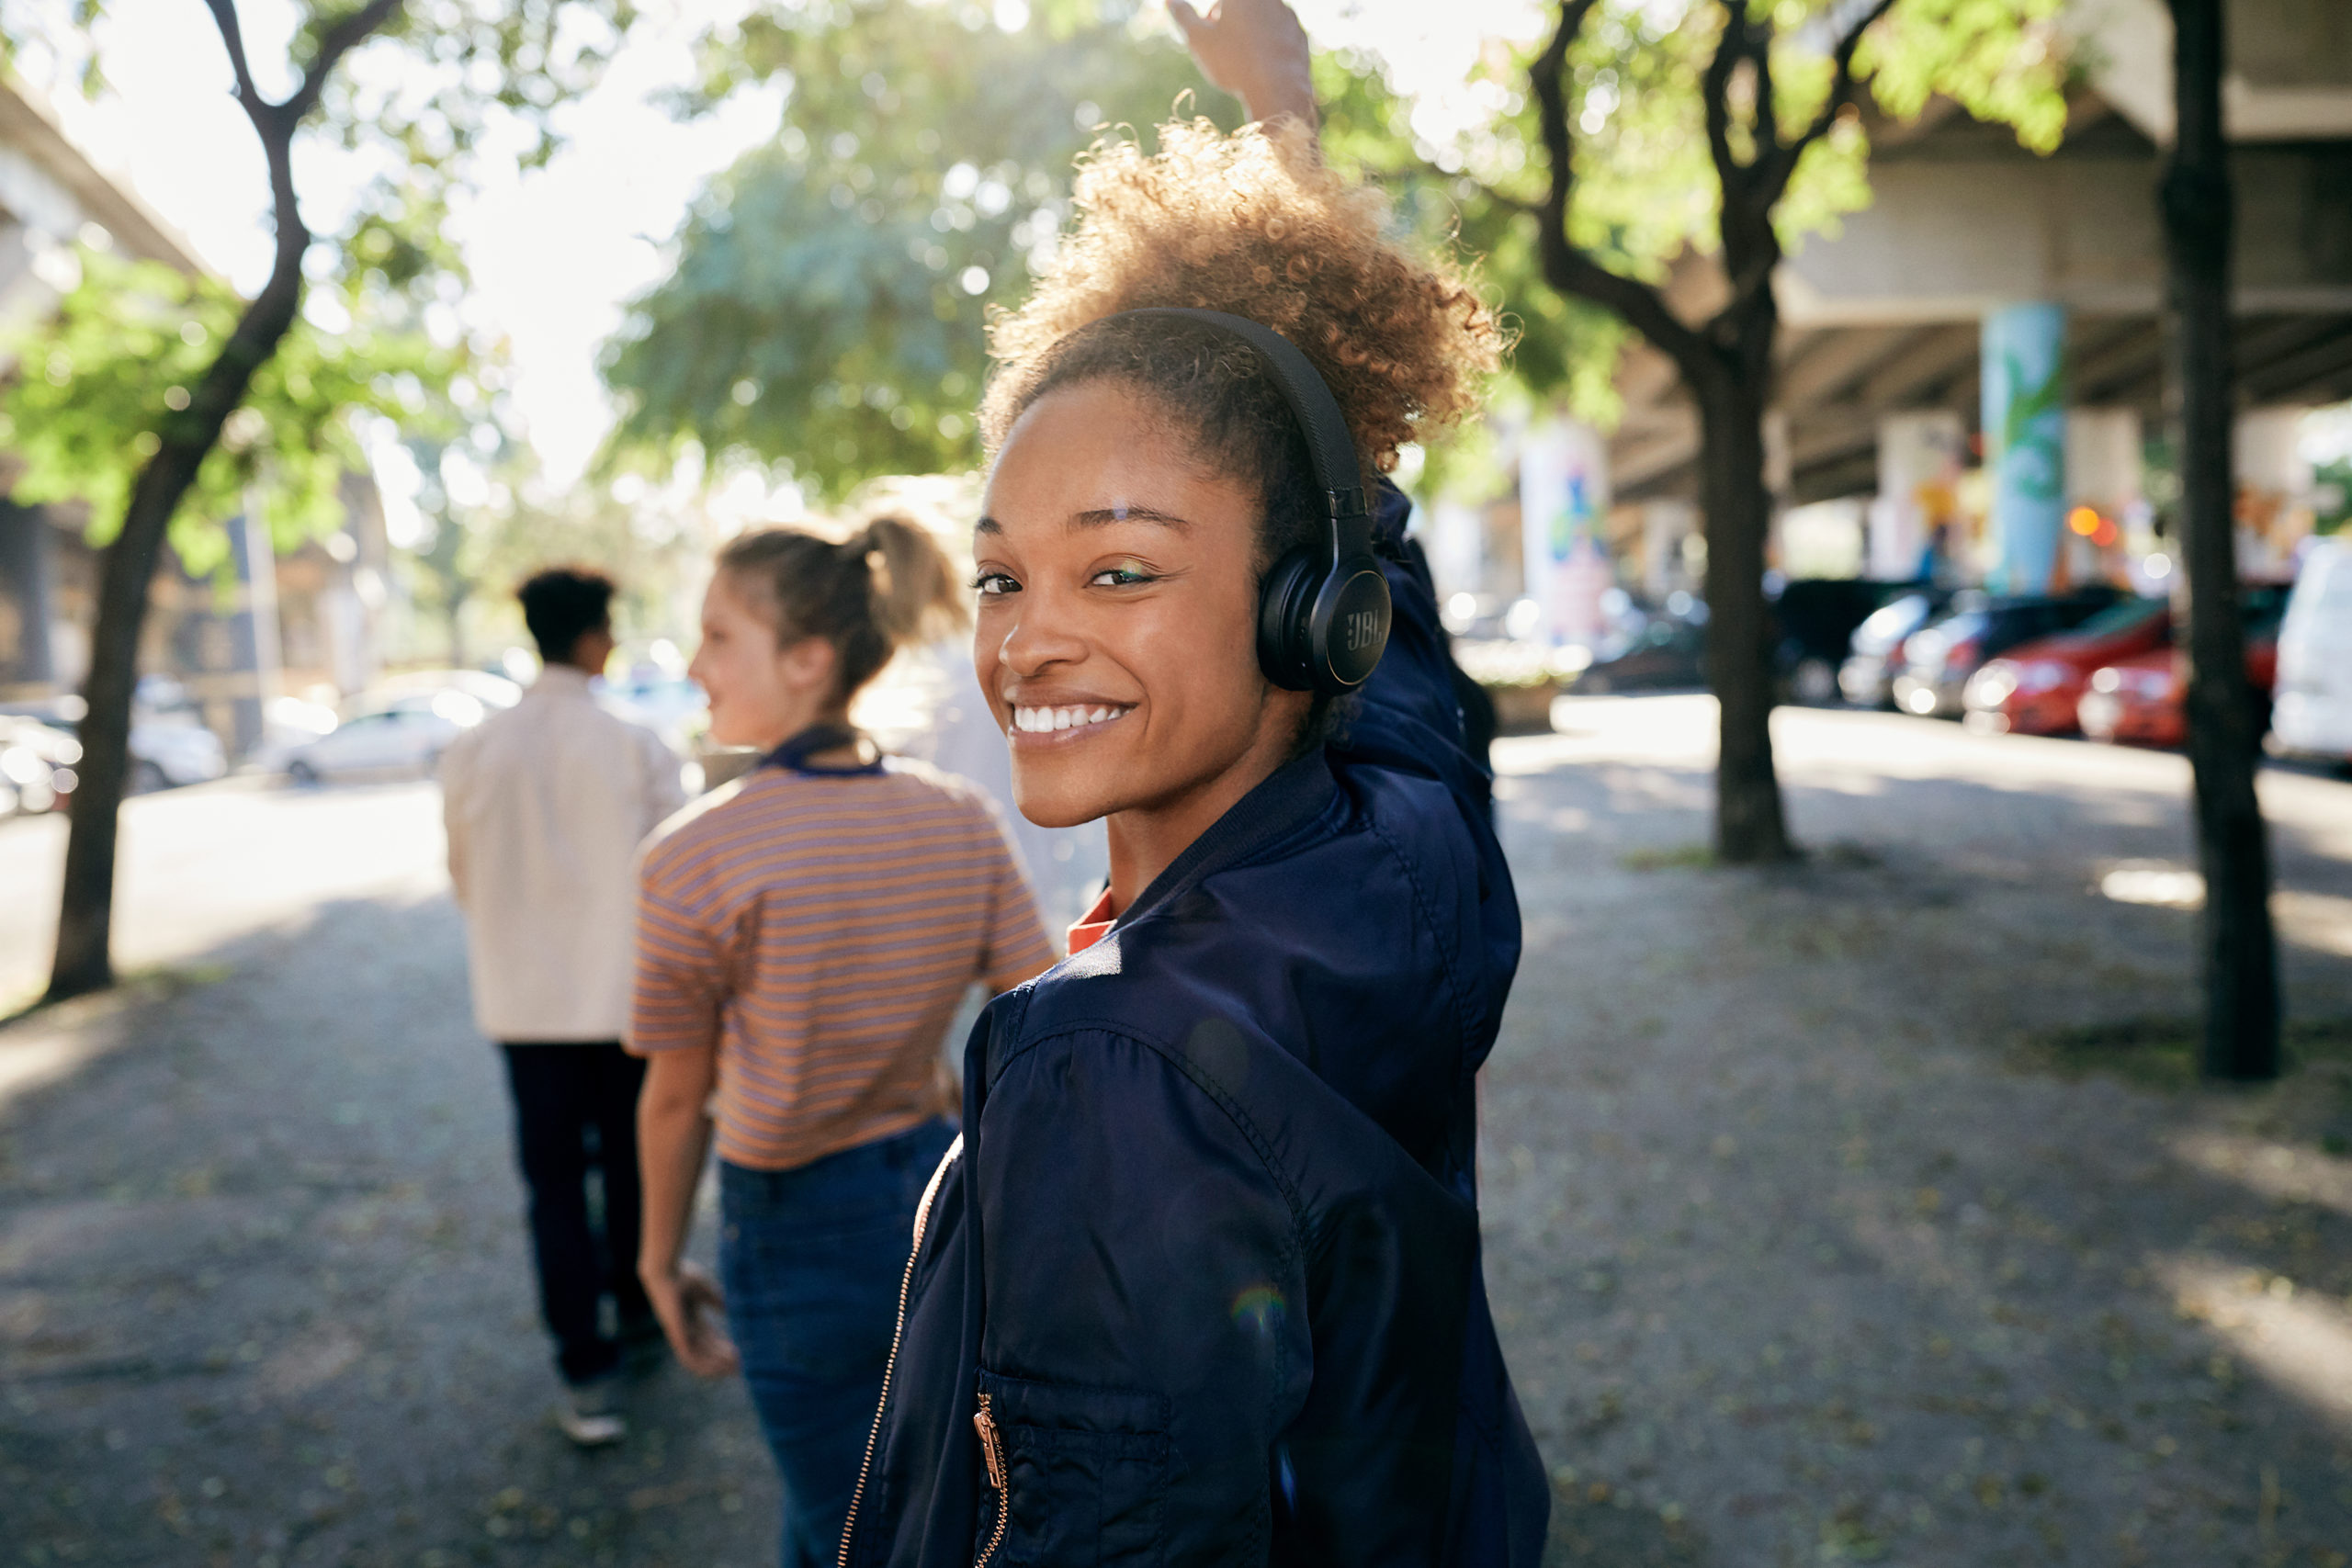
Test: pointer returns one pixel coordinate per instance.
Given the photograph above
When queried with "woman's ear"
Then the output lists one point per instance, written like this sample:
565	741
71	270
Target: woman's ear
809	665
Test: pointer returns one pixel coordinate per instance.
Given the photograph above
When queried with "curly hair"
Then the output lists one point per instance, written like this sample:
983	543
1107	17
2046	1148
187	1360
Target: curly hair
1254	224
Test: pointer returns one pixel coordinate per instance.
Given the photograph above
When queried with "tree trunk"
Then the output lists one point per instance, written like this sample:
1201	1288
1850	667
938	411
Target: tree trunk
86	914
85	910
2240	955
1749	826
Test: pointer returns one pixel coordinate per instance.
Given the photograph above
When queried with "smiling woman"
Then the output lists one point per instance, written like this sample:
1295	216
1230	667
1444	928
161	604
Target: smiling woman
1199	1283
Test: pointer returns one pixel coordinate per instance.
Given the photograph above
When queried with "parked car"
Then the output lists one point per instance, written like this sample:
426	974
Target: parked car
1874	653
167	749
490	690
1813	621
1669	650
169	752
2034	688
37	766
2142	701
288	724
404	736
1939	659
2313	712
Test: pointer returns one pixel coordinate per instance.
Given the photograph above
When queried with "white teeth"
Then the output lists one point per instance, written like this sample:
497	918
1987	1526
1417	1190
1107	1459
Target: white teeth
1045	721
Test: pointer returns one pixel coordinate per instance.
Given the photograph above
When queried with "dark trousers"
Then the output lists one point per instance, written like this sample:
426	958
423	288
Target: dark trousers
810	1260
575	1113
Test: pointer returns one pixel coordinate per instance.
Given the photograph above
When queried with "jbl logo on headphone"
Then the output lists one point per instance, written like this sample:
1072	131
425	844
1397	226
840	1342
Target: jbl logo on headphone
1363	630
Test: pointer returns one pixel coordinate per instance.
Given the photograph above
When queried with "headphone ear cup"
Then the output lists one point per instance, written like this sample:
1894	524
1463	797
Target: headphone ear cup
1285	605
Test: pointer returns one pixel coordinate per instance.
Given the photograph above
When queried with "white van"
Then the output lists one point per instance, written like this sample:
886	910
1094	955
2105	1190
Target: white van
2313	714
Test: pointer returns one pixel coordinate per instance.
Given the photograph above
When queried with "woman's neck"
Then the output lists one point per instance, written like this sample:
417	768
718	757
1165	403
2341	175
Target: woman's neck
1145	840
844	755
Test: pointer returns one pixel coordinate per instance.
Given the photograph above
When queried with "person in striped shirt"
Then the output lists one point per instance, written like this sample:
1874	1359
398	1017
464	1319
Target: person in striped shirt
804	938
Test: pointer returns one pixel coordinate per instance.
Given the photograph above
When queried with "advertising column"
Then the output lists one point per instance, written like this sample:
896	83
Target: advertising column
2024	380
1563	495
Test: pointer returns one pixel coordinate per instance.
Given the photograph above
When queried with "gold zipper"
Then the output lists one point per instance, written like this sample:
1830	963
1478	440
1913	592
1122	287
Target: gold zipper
992	1453
906	1282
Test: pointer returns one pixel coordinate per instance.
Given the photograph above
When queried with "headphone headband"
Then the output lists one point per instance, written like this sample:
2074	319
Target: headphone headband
1321	623
1330	448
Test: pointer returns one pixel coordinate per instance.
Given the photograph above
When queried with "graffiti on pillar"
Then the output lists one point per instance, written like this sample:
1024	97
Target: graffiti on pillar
2032	451
2025	436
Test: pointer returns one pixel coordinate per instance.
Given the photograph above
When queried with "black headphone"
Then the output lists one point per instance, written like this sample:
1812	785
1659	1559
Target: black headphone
1322	615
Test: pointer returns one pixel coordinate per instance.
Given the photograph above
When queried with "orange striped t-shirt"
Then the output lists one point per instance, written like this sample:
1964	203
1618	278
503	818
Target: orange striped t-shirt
820	930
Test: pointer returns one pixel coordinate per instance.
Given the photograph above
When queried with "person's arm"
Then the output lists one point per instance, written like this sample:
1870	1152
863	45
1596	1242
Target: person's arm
1018	948
674	1020
453	814
1256	51
672	1141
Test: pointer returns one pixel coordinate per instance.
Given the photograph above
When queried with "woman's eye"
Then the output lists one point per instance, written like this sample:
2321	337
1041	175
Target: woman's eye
1120	577
992	583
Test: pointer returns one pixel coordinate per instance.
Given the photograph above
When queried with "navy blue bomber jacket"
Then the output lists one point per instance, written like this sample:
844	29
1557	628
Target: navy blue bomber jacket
1207	1258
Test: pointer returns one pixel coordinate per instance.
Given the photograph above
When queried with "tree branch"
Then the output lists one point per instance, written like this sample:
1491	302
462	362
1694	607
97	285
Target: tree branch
1715	93
333	44
233	38
1841	93
1567	267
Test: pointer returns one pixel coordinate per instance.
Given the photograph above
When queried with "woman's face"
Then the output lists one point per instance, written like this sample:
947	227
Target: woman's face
760	694
1118	618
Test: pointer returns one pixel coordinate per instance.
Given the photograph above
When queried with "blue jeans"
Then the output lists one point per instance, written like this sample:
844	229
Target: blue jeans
810	1260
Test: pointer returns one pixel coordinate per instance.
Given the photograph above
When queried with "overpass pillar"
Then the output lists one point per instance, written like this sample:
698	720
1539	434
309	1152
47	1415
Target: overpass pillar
1920	455
2024	388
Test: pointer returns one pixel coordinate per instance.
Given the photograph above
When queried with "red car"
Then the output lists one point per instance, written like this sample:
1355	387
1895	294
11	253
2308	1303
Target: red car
2144	700
2035	688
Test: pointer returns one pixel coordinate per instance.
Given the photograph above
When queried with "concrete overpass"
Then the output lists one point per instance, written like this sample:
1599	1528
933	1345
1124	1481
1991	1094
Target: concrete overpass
1893	322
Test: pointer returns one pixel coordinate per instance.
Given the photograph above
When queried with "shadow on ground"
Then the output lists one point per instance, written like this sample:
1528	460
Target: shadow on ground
1814	1242
265	1294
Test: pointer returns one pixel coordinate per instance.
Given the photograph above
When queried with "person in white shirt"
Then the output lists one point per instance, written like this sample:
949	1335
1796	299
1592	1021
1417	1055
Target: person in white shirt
544	806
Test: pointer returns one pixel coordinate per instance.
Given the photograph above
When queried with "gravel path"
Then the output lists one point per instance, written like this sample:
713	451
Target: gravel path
1800	1259
1808	1244
265	1291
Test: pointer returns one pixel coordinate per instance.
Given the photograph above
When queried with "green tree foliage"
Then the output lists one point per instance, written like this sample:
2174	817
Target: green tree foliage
416	98
413	91
826	313
823	316
116	362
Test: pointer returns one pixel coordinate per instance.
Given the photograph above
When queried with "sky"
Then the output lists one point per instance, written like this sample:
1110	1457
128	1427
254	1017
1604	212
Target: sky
554	253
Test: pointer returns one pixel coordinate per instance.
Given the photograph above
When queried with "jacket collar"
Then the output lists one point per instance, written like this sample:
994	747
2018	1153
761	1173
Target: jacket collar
560	680
1291	795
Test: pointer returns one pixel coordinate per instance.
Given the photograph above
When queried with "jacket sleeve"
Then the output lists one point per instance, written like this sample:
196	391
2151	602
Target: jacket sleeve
1146	1333
1409	716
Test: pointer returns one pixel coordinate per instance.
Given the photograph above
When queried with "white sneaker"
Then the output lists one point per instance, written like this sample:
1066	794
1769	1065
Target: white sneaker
588	1415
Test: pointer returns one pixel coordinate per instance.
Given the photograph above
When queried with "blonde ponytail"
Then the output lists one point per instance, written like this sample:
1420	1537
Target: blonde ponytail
883	586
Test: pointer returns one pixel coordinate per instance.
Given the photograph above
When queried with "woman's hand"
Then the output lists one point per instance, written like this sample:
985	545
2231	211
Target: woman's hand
1256	51
673	1139
692	1314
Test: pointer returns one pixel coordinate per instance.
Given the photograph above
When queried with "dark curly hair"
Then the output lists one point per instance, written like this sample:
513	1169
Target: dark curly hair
1254	224
563	603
